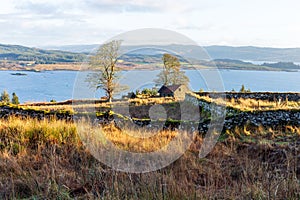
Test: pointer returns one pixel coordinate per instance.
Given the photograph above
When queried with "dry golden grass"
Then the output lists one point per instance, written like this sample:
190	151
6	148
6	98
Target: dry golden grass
253	104
26	132
62	66
46	160
66	108
146	142
51	107
149	101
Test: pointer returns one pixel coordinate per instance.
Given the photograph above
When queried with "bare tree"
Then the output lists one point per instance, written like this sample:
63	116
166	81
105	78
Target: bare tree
105	75
171	74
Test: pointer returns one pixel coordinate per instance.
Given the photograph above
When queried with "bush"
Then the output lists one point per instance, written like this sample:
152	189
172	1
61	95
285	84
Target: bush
243	90
5	97
15	99
149	92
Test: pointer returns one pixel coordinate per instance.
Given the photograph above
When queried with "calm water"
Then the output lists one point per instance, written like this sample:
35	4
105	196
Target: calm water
59	85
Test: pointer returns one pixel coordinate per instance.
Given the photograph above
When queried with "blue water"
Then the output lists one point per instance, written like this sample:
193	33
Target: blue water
58	85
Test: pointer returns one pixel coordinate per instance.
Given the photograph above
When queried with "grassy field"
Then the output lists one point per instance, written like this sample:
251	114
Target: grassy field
237	104
42	159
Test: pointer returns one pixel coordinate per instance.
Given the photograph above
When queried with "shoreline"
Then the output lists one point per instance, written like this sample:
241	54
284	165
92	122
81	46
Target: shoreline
151	69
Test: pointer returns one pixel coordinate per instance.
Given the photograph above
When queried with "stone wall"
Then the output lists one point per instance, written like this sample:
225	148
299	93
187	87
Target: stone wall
6	111
273	119
236	118
270	96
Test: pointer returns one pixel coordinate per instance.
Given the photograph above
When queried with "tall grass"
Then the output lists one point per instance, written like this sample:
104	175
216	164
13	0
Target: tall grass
47	160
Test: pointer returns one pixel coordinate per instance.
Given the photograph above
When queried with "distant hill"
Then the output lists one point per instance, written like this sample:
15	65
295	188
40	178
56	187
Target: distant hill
39	56
17	57
255	53
283	65
74	48
215	52
240	65
129	59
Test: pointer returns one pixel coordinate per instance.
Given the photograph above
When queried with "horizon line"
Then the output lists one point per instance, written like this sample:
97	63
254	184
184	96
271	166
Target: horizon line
92	44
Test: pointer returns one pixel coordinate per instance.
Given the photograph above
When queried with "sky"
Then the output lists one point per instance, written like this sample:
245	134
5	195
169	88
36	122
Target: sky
37	23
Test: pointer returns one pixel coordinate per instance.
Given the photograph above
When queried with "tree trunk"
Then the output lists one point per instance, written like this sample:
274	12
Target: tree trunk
109	97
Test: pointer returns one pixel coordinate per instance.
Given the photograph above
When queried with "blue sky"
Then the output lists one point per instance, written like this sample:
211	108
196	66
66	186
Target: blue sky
272	23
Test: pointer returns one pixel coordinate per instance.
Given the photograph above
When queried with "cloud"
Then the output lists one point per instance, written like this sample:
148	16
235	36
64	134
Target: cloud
205	27
106	6
121	6
95	6
37	7
34	22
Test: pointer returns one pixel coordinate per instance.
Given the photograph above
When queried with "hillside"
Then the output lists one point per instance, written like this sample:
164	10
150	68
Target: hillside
134	60
215	52
255	53
38	56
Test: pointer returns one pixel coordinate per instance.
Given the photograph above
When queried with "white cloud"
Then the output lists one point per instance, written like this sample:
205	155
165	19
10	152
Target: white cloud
232	22
6	7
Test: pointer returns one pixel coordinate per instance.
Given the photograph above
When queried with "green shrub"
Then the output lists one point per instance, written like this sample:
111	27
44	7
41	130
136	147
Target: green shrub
15	99
5	97
149	92
243	89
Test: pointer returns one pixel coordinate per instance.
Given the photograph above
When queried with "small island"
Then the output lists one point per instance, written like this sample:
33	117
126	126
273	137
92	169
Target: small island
18	74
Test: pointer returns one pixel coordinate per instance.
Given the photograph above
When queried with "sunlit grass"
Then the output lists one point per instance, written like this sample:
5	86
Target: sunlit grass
92	107
253	104
45	159
239	104
29	131
66	108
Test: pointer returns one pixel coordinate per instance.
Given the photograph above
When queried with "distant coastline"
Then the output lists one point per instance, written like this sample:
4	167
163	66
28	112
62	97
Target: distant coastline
21	58
79	67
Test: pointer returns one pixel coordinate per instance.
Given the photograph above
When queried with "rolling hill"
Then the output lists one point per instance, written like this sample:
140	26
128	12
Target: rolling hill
39	56
215	52
255	53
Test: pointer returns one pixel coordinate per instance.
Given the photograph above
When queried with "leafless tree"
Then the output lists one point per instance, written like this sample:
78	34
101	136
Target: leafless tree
105	73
